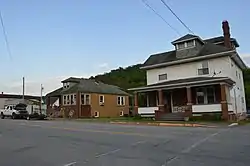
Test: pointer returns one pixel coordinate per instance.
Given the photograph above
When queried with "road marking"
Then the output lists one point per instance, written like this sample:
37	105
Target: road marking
92	131
170	161
199	142
187	150
107	153
139	142
70	164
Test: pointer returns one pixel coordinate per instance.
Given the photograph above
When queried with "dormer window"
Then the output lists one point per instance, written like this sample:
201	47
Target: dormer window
184	45
66	85
187	41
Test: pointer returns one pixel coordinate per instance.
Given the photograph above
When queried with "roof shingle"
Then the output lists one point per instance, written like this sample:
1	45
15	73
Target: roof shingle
89	86
206	49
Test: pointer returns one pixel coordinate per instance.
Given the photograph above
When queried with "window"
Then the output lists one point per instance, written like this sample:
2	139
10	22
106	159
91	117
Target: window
68	99
190	43
181	46
96	114
200	96
121	113
163	77
186	44
82	99
120	100
204	68
66	85
85	99
210	95
64	100
71	99
101	99
236	74
205	95
74	99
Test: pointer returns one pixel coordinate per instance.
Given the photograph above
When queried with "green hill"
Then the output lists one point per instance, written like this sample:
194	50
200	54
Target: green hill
125	78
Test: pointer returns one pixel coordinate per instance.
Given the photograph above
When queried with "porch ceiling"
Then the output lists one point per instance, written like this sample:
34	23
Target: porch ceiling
195	81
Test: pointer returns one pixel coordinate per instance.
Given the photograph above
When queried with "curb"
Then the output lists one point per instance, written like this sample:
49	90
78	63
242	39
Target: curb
164	124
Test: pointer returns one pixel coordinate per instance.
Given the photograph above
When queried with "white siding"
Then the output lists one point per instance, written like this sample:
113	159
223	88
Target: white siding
238	90
224	65
190	70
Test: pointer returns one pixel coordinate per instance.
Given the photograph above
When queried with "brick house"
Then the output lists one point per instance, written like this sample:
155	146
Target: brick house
79	98
197	77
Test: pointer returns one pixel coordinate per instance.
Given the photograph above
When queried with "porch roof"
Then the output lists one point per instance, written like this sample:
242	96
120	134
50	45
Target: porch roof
195	81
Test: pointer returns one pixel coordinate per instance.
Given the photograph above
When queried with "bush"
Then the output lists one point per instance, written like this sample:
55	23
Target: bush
137	117
207	117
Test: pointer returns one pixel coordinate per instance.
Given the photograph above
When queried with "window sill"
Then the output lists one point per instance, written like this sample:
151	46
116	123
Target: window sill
120	105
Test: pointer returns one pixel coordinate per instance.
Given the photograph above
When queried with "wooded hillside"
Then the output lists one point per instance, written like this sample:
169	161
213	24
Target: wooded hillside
125	78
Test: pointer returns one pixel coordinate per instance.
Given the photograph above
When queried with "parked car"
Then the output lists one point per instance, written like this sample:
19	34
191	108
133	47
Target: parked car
15	111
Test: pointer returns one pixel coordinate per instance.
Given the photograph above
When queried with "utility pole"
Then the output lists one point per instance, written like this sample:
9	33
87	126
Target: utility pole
23	88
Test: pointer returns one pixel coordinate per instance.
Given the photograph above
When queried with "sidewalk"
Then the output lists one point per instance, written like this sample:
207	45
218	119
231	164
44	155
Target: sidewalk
150	123
172	124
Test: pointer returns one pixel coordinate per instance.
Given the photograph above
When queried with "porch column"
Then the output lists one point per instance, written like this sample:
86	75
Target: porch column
48	105
160	98
188	111
78	104
224	106
135	103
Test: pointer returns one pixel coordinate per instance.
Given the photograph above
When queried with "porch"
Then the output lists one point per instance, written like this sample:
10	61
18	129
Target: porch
185	100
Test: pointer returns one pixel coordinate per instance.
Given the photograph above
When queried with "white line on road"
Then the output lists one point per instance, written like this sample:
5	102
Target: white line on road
105	154
187	150
199	142
70	164
139	142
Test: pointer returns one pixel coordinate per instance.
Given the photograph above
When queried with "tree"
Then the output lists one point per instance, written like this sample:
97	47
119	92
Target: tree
129	77
246	76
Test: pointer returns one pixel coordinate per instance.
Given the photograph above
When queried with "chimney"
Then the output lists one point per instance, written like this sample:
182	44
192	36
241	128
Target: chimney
226	33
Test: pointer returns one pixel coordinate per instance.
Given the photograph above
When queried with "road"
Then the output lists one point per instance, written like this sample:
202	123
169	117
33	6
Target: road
65	143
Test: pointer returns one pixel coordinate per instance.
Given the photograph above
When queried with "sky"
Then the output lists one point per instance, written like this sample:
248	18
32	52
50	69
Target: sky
51	40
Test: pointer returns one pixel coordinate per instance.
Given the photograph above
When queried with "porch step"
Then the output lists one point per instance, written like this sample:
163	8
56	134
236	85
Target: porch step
172	117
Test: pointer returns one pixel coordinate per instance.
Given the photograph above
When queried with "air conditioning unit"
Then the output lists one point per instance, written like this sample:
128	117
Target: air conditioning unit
101	103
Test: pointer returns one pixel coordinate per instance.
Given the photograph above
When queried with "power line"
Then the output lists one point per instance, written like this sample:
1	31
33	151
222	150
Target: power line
144	1
5	36
177	16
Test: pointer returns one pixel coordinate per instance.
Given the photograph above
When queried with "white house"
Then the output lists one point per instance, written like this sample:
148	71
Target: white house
198	76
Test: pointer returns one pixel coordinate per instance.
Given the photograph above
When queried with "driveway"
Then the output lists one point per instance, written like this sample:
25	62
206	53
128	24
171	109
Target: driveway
65	143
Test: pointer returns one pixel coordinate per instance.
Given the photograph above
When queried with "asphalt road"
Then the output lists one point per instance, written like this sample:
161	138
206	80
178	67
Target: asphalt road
64	143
